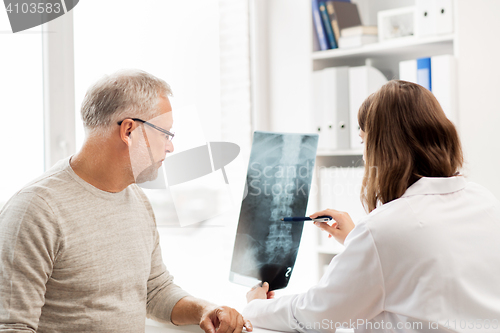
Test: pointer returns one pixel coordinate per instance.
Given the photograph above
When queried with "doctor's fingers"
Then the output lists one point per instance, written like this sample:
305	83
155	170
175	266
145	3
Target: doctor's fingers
339	234
258	292
343	219
331	229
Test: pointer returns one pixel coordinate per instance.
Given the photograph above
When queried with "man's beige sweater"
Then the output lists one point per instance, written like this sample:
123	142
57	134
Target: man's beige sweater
74	258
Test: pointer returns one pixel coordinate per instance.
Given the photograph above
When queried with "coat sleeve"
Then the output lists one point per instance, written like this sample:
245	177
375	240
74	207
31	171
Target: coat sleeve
350	291
30	240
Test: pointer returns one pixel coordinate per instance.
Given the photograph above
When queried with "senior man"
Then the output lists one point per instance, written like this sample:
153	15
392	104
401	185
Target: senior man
79	248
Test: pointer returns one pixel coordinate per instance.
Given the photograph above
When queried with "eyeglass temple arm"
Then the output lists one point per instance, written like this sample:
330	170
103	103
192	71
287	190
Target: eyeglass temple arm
150	125
159	129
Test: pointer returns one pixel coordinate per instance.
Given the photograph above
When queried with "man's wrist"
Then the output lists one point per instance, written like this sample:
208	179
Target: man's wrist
190	310
205	308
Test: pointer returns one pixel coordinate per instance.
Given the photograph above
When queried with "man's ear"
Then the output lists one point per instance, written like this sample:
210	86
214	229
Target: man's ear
125	131
129	137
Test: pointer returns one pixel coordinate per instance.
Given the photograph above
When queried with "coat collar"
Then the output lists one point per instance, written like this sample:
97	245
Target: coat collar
436	185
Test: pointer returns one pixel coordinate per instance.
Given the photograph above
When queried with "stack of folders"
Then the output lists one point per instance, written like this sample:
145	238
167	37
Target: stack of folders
358	36
338	92
438	74
340	190
330	17
331	107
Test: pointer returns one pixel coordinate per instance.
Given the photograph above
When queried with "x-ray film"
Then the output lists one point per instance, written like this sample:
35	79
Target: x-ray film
278	181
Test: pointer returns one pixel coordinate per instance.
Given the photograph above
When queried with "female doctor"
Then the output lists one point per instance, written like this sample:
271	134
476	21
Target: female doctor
426	257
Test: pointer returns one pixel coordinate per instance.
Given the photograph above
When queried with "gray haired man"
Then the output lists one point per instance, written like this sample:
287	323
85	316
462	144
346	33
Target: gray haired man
79	248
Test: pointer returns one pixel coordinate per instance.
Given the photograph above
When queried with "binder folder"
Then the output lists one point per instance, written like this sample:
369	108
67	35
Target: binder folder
331	108
408	70
320	125
425	18
444	84
336	106
363	81
444	16
424	73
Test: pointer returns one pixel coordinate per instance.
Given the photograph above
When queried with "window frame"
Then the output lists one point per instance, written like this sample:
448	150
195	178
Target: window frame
58	89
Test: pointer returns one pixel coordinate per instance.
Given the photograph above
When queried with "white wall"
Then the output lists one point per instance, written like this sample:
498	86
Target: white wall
290	44
478	51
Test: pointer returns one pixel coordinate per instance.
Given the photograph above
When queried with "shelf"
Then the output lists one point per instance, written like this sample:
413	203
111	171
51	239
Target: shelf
340	153
401	47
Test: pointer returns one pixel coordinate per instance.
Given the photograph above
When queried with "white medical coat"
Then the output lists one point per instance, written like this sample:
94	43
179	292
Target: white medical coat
426	262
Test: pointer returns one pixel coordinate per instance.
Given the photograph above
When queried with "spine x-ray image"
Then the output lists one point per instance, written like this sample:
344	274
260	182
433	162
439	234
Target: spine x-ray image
278	181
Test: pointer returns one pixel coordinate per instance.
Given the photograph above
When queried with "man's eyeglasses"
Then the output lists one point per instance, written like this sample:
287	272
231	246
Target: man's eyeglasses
169	135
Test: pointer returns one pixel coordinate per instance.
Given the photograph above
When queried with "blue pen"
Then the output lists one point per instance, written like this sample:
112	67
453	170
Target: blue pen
305	218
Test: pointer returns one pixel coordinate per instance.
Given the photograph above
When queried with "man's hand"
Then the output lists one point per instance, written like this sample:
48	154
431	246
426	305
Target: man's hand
341	226
260	292
191	311
223	319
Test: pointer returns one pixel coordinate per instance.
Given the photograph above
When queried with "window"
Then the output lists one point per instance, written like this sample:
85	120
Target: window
21	105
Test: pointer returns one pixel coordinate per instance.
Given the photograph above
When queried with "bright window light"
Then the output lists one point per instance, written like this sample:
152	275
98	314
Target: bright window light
21	107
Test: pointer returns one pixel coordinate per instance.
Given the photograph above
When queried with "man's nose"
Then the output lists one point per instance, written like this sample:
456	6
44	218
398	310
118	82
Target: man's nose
169	147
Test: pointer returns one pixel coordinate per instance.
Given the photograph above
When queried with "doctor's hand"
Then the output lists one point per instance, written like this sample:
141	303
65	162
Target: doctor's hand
258	292
341	226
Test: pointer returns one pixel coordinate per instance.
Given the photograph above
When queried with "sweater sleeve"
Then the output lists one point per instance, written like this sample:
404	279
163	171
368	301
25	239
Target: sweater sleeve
352	289
163	293
30	240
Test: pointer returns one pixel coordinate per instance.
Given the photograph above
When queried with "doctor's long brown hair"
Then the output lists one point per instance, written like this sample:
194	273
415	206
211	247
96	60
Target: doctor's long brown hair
407	136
